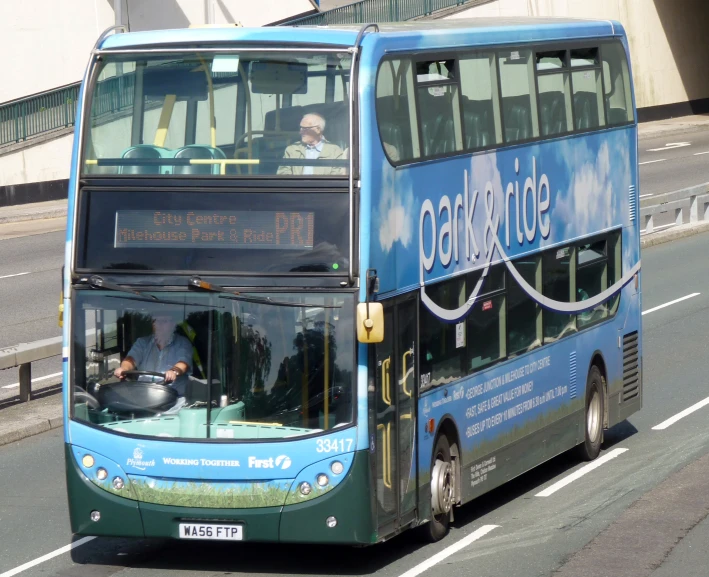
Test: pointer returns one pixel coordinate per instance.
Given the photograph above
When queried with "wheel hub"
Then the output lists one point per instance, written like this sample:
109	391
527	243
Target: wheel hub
441	488
594	417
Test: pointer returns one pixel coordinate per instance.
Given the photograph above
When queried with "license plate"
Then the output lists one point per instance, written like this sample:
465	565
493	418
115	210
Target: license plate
211	531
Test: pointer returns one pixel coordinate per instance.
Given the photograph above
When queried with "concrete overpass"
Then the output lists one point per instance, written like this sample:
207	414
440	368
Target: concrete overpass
668	45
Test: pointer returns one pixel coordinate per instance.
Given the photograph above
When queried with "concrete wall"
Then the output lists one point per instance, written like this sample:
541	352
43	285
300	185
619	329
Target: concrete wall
667	40
47	42
49	160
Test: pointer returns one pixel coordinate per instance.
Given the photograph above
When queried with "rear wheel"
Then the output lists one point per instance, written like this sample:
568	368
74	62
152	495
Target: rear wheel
593	436
441	492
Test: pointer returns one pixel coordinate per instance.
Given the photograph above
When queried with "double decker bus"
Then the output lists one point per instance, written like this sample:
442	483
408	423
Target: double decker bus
326	284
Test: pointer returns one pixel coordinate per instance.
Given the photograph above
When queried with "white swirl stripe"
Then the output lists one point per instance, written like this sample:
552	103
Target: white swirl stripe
553	305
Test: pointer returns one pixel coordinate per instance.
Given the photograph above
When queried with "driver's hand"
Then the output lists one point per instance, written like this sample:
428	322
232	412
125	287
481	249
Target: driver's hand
119	373
170	376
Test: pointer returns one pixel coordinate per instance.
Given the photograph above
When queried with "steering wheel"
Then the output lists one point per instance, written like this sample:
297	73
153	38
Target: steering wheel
134	376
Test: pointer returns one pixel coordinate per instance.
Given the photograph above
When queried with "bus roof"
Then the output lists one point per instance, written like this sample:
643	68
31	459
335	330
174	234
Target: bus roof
443	32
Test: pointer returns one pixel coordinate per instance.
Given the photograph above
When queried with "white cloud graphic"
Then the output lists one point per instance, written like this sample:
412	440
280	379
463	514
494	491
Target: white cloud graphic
592	203
396	210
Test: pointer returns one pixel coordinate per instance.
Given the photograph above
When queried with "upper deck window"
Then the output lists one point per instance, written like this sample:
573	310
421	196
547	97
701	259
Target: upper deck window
224	114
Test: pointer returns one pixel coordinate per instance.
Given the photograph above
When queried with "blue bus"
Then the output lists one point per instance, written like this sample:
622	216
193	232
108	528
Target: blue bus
326	284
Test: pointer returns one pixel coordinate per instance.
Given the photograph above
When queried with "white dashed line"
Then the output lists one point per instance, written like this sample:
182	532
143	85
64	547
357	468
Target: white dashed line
672	420
12	275
651	161
674	302
447	552
46	557
13	385
578	474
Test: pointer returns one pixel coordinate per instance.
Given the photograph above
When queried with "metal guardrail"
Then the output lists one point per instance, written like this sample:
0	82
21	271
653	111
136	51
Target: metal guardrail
23	355
27	117
684	206
379	11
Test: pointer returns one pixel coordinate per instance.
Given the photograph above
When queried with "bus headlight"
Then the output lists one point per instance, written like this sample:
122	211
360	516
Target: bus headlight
323	480
88	461
101	474
118	483
305	488
336	467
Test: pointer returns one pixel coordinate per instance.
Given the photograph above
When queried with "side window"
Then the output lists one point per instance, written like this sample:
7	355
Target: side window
524	323
559	284
587	83
439	107
598	268
553	81
443	344
519	104
591	279
616	77
396	110
450	351
485	330
480	101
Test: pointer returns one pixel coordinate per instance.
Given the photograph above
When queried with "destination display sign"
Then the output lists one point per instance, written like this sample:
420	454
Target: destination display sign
285	230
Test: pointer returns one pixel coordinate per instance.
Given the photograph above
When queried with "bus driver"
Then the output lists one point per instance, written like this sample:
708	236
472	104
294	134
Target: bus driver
162	352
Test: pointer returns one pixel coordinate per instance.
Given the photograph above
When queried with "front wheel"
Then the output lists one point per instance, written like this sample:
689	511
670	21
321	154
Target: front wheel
441	492
593	435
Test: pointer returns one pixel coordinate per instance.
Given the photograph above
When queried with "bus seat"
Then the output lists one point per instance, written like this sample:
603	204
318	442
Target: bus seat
437	129
142	151
553	113
586	110
616	115
197	151
518	118
391	135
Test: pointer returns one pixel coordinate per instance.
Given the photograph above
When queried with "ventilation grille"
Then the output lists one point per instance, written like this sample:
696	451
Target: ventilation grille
572	375
631	367
632	203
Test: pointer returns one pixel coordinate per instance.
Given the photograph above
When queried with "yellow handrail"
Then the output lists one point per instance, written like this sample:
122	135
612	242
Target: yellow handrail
403	372
386	385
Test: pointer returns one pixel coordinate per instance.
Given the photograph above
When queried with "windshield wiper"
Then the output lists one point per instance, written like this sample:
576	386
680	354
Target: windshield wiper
198	283
98	282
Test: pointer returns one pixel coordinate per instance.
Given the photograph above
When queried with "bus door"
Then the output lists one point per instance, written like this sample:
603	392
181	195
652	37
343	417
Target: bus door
395	415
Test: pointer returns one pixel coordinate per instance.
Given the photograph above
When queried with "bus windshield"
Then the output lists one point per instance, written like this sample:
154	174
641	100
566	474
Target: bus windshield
207	366
235	114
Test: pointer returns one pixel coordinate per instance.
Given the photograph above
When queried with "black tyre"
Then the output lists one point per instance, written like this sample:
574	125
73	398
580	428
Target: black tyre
441	492
594	411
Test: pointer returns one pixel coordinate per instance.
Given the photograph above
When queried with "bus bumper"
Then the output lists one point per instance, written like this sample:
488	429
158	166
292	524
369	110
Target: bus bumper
348	503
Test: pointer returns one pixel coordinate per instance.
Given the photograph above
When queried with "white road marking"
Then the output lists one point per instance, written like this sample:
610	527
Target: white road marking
651	161
700	153
672	420
578	474
670	146
13	385
46	557
674	302
646	195
11	275
447	552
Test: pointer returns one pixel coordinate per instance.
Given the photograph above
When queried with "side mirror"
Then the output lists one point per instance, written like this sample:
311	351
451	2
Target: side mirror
370	322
